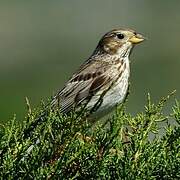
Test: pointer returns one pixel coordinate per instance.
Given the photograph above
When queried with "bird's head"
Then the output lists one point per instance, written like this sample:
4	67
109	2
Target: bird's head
119	41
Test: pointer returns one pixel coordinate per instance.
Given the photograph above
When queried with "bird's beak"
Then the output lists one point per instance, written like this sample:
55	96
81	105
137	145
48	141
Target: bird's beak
137	39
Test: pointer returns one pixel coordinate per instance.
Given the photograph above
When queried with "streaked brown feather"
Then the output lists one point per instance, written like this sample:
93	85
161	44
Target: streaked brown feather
89	79
98	83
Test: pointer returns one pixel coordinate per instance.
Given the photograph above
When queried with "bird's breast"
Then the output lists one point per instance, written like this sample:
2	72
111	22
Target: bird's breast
116	93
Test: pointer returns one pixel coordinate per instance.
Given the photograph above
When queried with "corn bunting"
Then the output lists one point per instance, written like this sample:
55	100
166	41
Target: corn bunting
102	80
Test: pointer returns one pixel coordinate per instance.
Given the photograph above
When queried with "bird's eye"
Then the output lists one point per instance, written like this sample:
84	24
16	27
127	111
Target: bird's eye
120	36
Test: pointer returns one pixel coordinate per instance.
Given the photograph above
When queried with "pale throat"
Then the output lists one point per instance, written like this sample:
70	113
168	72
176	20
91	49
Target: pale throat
123	54
124	50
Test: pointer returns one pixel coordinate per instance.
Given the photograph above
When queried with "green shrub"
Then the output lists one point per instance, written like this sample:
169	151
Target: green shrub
68	147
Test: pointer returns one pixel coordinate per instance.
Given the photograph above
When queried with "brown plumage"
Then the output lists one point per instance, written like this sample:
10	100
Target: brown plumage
104	76
101	81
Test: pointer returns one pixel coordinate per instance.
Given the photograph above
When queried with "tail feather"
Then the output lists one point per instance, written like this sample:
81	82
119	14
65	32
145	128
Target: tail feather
29	130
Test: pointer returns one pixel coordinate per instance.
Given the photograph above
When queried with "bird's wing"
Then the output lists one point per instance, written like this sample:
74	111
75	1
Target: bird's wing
86	82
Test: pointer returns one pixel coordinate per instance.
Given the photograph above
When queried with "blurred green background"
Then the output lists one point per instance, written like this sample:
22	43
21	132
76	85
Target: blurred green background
43	42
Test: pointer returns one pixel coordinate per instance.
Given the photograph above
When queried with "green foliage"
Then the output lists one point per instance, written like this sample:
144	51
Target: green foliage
68	147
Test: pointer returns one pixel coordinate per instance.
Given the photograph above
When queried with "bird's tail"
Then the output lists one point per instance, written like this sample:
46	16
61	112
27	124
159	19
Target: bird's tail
33	125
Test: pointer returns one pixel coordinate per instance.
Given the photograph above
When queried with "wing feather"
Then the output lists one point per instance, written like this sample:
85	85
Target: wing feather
82	86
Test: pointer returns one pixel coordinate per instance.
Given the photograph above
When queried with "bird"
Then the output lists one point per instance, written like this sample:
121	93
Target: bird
101	82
